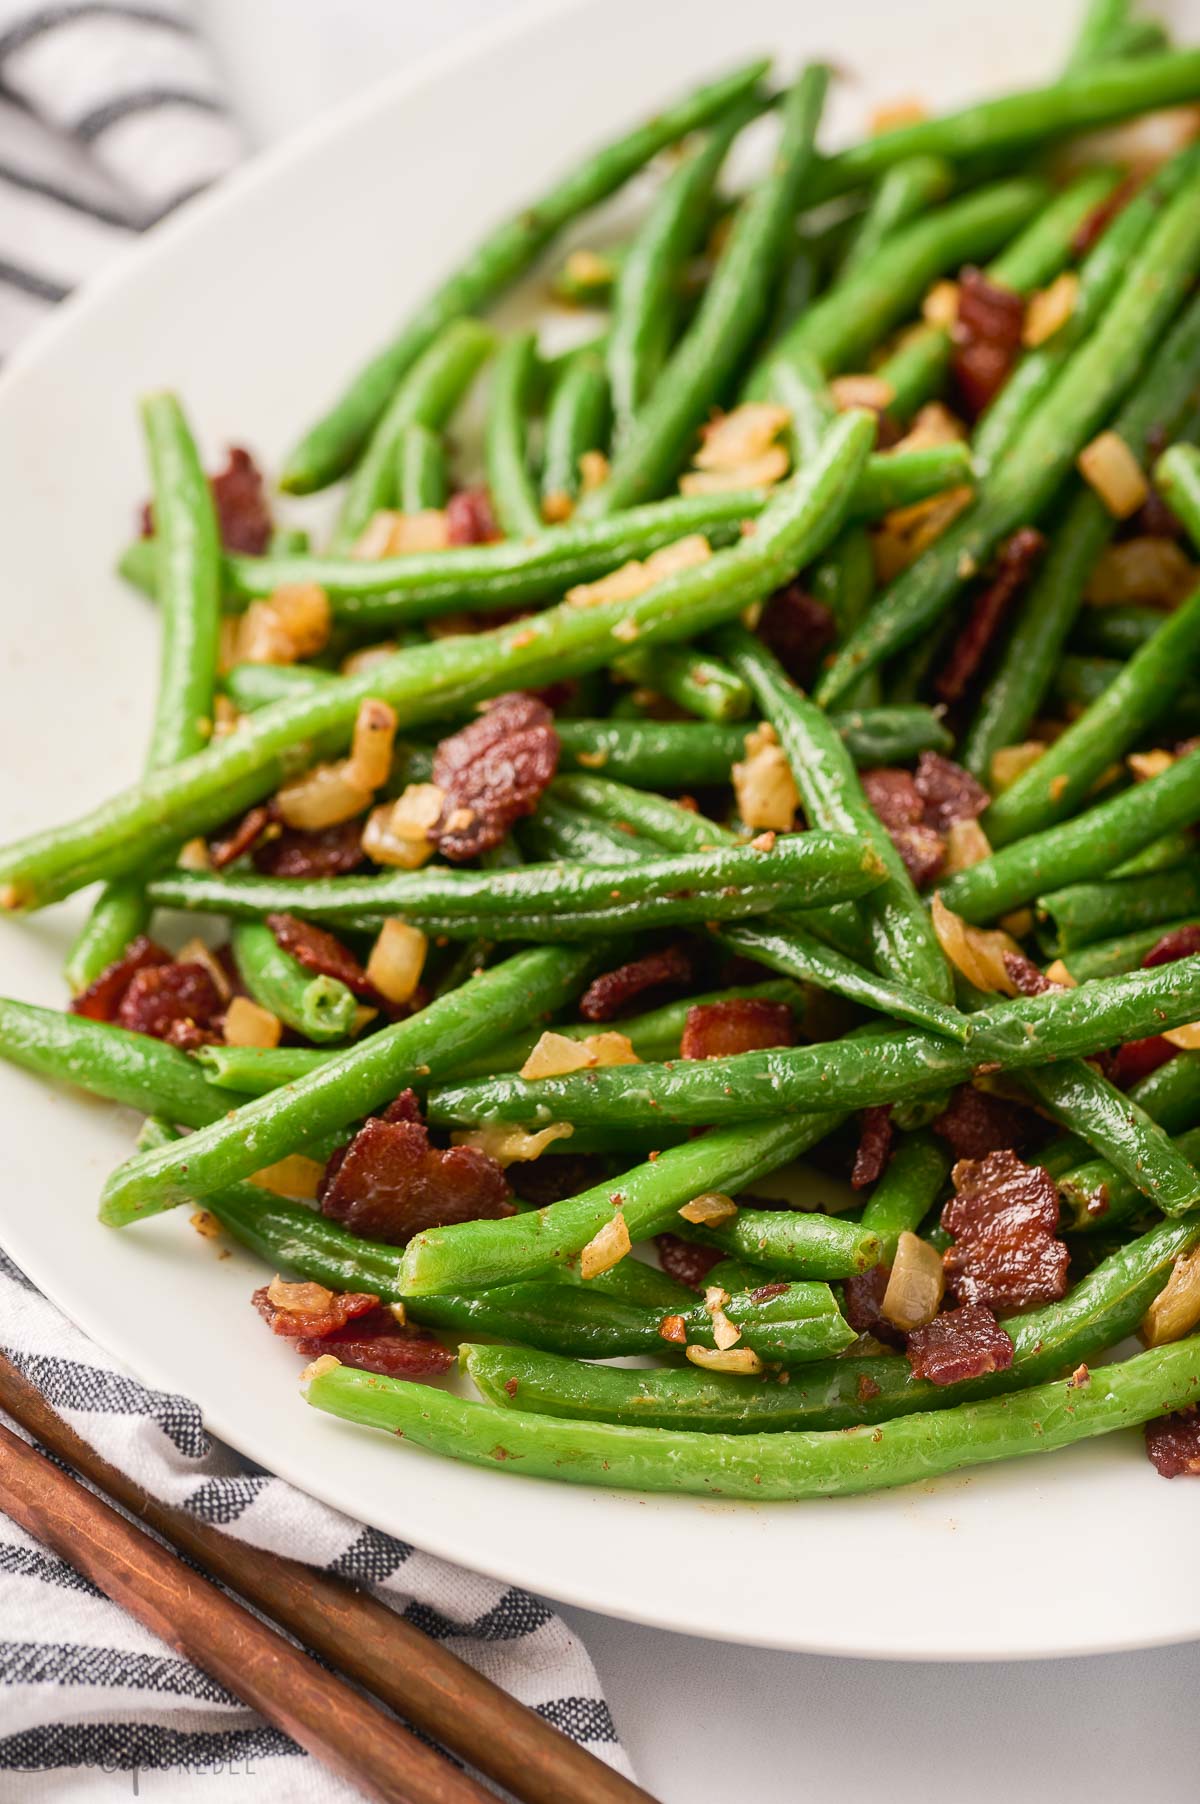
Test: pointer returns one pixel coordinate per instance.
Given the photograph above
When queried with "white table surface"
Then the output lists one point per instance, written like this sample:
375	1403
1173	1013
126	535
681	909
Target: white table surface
698	1717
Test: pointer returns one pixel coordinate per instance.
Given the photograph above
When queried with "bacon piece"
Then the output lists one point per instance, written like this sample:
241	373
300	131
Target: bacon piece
469	518
1101	217
321	952
165	1001
862	1299
493	772
1012	569
608	994
959	1344
894	796
948	792
338	1307
922	851
549	1180
240	498
874	1146
330	852
239	837
799	629
1181	942
1173	1443
102	998
389	1183
766	1292
987	338
1136	1059
1025	975
1003	1217
718	1030
686	1261
377	1343
976	1123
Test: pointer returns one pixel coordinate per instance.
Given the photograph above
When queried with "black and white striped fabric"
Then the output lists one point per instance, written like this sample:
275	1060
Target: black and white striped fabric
110	115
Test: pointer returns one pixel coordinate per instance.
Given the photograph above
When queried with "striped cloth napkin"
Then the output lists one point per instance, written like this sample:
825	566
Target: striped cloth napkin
109	116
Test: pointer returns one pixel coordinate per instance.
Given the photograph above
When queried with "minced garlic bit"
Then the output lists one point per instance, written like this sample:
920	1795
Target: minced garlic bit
196	952
606	1248
1049	309
205	1224
509	1145
933	425
391	534
709	1209
193	856
295	1177
1012	761
397	960
763	784
555	1055
742	1360
248	1024
1109	467
738	450
906	532
1175	1311
290	626
966	844
861	391
593	470
940	306
1145	765
630	580
398	833
557	507
1144	570
977	952
298	1299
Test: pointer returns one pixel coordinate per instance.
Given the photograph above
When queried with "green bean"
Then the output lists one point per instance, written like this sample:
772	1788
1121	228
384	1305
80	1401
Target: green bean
255	1070
1082	913
694	680
1171	1095
800	868
882	1066
1101	1310
797	1242
1076	850
1115	632
422	480
1103	22
1083	1101
731	311
762	1467
331	445
1111	958
902	937
320	1008
1095	379
1095	97
509	477
917	370
1177	476
187	557
443	678
129	1068
906	190
1079	682
911	1184
482	1253
428	395
1099	1195
345	1087
576	421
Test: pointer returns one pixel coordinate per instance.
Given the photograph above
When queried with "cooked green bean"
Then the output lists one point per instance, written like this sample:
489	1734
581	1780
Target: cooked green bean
1110	958
1177	476
510	479
1115	632
1082	913
421	478
697	681
254	1070
798	1242
906	190
576	421
1099	1195
320	1008
1171	1095
911	1183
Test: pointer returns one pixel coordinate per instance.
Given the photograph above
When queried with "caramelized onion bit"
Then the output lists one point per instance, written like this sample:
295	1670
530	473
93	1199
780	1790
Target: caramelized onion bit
1109	467
1049	309
977	952
710	1209
247	1024
742	1361
296	1177
606	1248
397	960
509	1145
398	833
916	1285
1012	761
1175	1311
555	1055
634	578
763	784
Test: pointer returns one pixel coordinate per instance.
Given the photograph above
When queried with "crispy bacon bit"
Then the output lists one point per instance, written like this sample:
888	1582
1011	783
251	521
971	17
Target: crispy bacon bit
799	629
389	1183
1173	1443
977	1123
718	1030
1181	942
1012	569
959	1344
894	796
948	792
178	1003
874	1146
766	1292
240	498
684	1261
469	518
1136	1059
101	1000
1003	1217
309	1310
1101	217
1026	979
866	1389
493	772
543	1181
673	1328
863	1303
329	852
239	837
321	952
378	1343
987	338
609	993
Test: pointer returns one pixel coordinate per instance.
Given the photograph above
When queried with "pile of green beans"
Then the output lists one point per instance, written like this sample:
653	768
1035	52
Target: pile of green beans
737	817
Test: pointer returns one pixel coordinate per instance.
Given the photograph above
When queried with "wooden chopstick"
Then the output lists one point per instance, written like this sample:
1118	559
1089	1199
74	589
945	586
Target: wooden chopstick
359	1636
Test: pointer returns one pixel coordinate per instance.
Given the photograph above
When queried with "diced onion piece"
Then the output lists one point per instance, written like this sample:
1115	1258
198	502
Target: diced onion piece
908	531
940	306
740	437
764	786
1049	309
1175	1311
1058	973
367	657
248	1024
226	718
291	625
195	952
509	1145
761	472
557	507
317	1368
375	540
630	580
1109	467
977	952
612	1049
890	115
555	1055
741	1360
370	759
710	1209
1151	571
861	391
193	856
298	1299
588	269
1145	765
323	797
295	1177
398	833
1018	922
593	470
916	1285
397	960
1187	1038
605	1249
205	1224
933	425
966	844
1012	761
428	530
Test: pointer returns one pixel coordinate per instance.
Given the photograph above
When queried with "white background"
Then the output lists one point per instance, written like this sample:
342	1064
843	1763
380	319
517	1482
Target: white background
701	1719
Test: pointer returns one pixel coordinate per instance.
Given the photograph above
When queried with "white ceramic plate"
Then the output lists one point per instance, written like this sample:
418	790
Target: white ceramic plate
255	305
